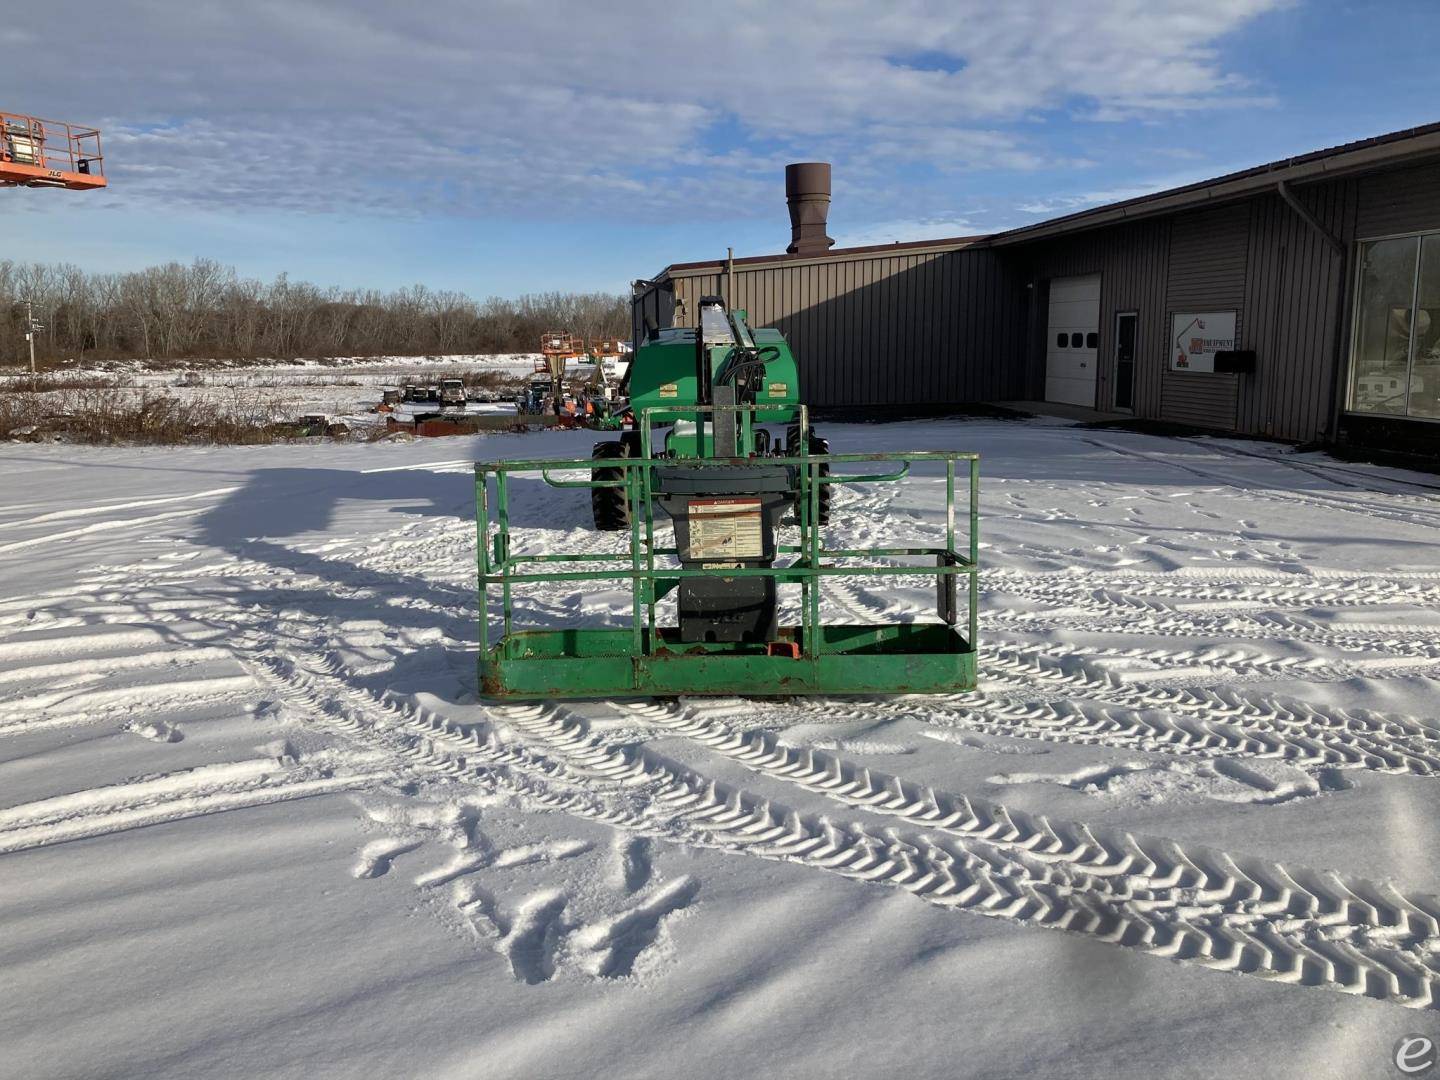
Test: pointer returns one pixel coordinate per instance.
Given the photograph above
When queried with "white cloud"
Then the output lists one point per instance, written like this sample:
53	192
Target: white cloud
581	109
1059	205
906	231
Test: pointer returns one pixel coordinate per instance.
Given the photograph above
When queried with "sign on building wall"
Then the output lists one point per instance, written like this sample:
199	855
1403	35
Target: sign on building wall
1195	338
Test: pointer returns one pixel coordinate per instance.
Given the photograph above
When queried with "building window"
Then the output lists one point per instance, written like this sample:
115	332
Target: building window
1092	340
1076	340
1060	340
1395	357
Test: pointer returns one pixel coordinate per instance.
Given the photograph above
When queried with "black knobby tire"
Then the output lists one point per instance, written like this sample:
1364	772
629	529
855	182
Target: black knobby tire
822	446
817	446
611	511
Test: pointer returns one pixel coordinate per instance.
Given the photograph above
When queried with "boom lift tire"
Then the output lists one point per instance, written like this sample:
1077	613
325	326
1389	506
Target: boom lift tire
822	446
817	446
611	511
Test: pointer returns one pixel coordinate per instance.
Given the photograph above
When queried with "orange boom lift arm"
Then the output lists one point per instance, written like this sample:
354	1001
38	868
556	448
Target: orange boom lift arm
49	153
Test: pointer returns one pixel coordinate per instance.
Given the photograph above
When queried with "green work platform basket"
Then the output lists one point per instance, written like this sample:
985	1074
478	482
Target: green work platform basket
641	658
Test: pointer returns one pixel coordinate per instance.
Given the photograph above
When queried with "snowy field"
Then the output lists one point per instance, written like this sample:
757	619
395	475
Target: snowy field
253	822
345	388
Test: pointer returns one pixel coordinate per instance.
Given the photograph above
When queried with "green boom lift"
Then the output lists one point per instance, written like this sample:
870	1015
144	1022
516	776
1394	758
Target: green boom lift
735	460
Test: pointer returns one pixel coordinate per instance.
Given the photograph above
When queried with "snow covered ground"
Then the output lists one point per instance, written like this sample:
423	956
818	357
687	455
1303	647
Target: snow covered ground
253	823
345	389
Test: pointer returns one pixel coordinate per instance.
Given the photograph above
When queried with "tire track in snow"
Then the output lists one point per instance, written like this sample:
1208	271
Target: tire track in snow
1206	908
76	705
100	509
1202	906
1251	919
1222	585
1212	723
197	792
88	530
1243	488
1221	721
1415	644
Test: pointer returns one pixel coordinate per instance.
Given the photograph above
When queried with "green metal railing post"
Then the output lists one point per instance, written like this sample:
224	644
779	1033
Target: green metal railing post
808	581
637	581
644	482
482	549
974	553
812	635
950	507
502	553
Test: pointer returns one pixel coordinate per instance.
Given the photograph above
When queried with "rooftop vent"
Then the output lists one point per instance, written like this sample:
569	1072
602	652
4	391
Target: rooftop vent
807	190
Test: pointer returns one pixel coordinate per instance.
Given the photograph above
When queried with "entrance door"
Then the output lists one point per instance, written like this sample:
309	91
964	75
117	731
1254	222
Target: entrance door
1125	325
1073	345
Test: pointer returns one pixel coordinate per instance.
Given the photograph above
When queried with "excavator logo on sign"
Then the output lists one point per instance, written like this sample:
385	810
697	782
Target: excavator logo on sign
1197	337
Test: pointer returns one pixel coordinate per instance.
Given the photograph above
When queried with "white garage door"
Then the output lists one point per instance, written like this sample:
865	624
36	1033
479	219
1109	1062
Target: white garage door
1072	349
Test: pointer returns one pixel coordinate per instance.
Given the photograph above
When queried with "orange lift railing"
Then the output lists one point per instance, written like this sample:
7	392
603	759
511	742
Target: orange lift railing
49	153
556	348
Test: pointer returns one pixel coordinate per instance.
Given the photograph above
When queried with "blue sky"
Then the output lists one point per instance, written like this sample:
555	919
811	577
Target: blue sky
502	148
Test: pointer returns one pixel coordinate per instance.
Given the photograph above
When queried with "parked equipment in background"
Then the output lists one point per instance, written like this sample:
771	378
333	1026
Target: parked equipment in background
310	426
535	399
49	153
604	350
557	349
718	440
419	393
452	394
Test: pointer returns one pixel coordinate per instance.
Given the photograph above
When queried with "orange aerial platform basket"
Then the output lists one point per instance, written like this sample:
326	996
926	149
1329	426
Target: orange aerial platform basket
556	348
561	343
49	153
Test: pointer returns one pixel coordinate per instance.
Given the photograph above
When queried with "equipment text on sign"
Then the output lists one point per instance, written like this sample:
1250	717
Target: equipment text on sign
1195	338
725	529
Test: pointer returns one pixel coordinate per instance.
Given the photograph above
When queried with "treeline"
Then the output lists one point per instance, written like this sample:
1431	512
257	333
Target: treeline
206	310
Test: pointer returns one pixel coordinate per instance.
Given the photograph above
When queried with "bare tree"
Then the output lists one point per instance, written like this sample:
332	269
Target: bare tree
204	309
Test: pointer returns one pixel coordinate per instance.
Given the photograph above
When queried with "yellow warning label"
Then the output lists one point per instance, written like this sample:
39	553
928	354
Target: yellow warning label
669	389
726	529
778	389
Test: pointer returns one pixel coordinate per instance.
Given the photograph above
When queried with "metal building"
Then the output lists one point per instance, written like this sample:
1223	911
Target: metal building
1298	300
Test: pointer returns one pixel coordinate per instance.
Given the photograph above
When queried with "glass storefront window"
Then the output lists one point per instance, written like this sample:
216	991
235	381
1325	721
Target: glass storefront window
1380	364
1425	360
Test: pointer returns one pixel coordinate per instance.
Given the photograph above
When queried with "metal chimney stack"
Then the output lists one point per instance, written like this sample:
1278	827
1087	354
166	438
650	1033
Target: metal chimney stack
807	190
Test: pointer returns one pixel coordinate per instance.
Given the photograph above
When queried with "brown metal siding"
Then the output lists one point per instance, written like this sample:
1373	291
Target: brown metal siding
658	303
1132	261
1290	290
1209	253
1199	400
1287	286
1293	312
922	328
961	326
1406	200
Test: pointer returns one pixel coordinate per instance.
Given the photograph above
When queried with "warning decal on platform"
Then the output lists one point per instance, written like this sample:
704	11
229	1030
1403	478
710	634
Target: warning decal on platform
669	389
778	389
725	529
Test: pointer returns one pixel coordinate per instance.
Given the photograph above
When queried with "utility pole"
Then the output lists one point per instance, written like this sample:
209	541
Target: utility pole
31	329
30	334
